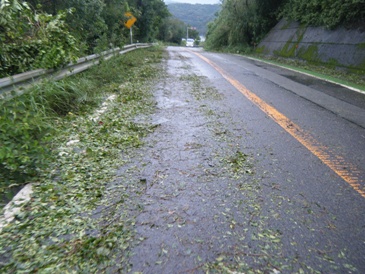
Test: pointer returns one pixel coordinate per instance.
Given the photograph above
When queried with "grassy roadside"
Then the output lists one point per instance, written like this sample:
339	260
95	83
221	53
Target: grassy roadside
353	80
325	72
30	122
83	144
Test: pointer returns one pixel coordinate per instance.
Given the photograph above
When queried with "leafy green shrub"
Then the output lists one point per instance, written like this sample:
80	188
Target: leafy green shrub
328	13
242	23
26	124
31	40
29	123
54	228
62	97
22	133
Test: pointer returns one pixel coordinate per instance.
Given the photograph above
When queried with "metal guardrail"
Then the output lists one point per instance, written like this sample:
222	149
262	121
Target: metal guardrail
17	84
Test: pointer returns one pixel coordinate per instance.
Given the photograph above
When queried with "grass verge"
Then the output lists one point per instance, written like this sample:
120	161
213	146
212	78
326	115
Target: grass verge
326	72
63	229
353	80
28	123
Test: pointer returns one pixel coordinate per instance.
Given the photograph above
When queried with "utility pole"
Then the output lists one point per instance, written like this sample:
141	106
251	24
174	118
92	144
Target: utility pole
187	31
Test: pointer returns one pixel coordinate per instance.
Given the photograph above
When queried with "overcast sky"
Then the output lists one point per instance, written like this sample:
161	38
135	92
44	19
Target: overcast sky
194	1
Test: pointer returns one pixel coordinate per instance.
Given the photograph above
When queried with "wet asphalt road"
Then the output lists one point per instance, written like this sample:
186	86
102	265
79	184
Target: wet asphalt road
229	189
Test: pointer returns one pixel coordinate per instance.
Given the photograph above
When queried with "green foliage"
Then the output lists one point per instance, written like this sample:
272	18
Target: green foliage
87	22
64	228
172	30
112	15
328	13
62	97
242	23
332	63
23	132
310	54
246	22
57	46
27	121
359	70
260	50
290	49
31	40
150	15
30	37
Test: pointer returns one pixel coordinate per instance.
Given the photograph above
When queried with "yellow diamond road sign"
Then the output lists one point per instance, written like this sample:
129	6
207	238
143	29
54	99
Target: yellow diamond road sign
131	20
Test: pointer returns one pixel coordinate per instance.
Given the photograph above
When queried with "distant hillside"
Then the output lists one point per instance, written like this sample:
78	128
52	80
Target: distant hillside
197	15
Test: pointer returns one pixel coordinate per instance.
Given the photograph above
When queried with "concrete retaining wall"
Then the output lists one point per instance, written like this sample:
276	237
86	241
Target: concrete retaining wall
337	48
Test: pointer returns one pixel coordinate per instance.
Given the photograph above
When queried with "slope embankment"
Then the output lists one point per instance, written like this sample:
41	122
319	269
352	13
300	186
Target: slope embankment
339	48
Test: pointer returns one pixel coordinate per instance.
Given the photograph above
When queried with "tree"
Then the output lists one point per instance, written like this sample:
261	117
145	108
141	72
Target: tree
150	19
86	22
113	14
242	23
328	13
32	39
172	30
44	33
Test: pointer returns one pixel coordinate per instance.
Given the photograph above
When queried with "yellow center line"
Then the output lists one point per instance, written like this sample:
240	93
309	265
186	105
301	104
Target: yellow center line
338	164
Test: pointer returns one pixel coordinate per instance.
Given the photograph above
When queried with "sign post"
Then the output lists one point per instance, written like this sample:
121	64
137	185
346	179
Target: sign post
129	23
131	33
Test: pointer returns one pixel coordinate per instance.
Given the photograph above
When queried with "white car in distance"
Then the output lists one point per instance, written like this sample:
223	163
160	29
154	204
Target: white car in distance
190	42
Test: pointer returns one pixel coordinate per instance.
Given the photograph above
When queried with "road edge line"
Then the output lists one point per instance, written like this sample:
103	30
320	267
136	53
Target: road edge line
304	73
